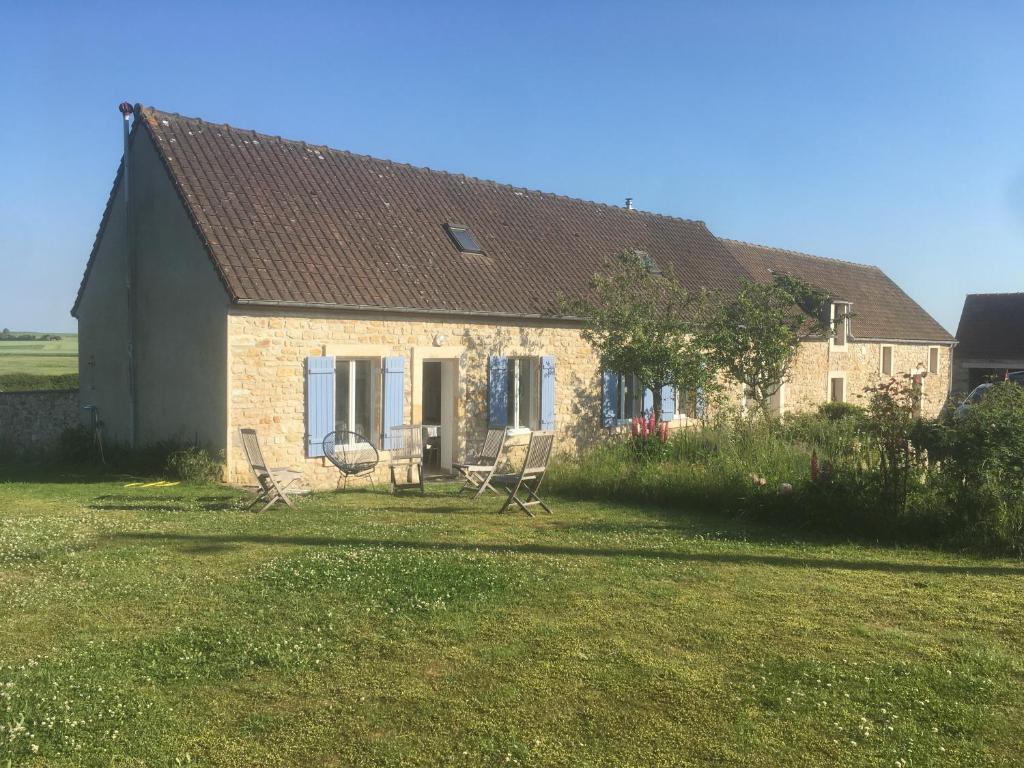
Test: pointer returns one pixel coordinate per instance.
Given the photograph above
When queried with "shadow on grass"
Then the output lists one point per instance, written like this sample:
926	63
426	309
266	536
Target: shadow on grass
47	474
202	543
161	503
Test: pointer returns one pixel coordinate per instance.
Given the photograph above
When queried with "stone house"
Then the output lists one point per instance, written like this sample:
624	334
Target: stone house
250	281
881	332
990	339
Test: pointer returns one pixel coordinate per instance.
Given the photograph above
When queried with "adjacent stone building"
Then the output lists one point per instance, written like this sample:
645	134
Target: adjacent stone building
881	332
251	281
990	339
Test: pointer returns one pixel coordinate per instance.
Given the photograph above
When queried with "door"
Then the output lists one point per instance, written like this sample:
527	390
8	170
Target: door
447	432
438	402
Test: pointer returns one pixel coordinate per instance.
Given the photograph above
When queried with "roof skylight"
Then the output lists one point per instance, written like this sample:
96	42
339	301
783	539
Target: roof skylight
463	238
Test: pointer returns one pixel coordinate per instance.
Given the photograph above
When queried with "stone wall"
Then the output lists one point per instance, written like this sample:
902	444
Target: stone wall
32	421
861	366
267	377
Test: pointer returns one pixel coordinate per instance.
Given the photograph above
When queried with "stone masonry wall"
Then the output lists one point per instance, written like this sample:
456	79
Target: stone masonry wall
267	378
266	388
31	421
861	363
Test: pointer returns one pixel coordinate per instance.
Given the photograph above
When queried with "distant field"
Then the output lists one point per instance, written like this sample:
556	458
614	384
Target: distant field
40	357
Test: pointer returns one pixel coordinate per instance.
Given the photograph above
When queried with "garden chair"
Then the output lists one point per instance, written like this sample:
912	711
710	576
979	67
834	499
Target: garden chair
478	470
407	456
273	481
352	454
523	488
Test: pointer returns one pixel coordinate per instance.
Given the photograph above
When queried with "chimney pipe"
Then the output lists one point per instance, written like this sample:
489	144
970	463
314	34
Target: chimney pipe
629	203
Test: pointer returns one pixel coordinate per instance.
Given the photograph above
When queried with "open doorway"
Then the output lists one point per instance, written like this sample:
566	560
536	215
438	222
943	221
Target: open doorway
438	415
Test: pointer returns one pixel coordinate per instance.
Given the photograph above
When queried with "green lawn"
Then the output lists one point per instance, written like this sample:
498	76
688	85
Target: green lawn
171	627
40	357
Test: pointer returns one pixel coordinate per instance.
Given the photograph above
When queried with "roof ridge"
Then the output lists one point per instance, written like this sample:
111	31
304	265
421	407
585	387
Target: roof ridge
802	253
422	168
999	293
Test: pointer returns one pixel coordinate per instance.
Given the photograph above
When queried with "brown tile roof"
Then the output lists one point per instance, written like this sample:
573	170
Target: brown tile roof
289	222
991	327
881	310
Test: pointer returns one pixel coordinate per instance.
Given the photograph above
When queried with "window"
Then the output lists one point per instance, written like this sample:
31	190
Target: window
840	322
933	360
837	389
628	401
630	397
523	403
887	360
353	402
686	403
463	238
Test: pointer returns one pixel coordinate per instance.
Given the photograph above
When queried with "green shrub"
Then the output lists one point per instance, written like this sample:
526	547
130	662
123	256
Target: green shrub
195	465
837	411
31	382
980	464
889	474
77	446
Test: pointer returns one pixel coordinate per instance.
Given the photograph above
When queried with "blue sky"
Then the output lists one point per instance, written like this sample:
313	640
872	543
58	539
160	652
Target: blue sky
886	133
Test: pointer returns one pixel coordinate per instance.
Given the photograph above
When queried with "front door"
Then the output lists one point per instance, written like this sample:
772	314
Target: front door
439	411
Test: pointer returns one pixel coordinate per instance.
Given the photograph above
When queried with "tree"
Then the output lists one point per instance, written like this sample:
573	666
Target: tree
643	322
755	336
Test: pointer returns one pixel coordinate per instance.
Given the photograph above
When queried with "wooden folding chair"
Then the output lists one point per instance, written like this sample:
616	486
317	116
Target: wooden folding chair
538	454
273	481
477	471
407	457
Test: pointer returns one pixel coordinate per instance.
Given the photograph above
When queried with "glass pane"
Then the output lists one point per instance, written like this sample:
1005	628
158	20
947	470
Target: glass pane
432	393
525	390
465	239
510	392
630	399
341	389
362	415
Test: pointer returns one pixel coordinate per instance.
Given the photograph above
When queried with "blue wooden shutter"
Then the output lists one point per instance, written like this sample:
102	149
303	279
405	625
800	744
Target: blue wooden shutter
547	393
610	398
497	391
668	403
648	401
319	403
699	407
393	388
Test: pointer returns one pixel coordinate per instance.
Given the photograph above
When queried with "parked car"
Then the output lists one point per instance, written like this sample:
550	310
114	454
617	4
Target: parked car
1017	377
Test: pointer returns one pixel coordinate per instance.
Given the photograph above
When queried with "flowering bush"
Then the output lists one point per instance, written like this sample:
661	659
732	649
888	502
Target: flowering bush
648	436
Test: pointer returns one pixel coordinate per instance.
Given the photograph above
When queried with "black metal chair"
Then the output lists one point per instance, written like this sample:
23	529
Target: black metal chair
352	454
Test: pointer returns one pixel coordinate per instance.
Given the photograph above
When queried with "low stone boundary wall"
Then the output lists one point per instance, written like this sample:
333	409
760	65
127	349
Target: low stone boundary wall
32	421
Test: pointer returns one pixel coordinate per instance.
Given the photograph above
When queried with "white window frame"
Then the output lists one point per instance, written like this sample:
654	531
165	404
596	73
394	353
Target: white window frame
938	359
373	426
533	400
828	395
881	359
842	332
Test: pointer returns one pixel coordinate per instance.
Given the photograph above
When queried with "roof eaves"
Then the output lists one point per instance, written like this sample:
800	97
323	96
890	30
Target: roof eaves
99	235
320	306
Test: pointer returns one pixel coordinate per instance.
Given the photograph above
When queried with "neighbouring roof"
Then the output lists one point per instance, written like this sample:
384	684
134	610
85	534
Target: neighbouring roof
293	223
991	327
880	309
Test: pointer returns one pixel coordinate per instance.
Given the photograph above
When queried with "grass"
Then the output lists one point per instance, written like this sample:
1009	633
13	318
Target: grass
168	626
40	357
